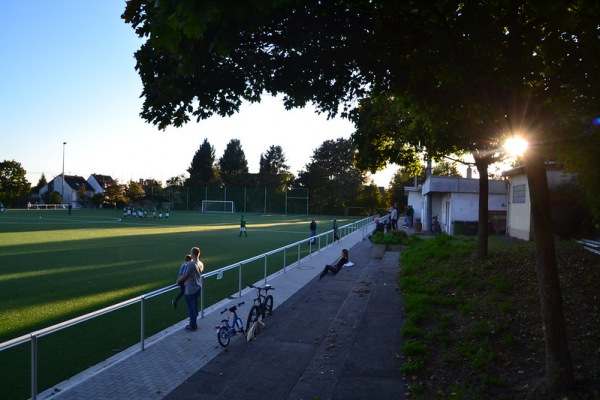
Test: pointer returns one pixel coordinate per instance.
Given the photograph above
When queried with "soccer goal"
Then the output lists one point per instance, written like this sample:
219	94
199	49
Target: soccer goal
296	201
218	206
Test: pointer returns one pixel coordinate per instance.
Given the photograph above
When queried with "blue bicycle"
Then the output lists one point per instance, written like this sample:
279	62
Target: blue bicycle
228	329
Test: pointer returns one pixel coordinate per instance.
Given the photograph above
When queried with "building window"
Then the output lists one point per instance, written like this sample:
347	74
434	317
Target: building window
518	194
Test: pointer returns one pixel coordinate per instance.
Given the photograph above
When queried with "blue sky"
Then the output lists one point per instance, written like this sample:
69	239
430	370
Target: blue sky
67	75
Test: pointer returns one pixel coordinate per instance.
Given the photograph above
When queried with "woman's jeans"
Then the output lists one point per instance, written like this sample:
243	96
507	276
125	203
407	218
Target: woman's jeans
191	301
334	269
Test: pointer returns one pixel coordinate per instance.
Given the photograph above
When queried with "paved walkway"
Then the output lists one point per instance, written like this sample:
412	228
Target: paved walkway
338	337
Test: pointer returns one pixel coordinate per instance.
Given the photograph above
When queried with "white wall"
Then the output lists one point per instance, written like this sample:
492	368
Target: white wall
415	199
94	184
465	207
518	218
498	202
69	194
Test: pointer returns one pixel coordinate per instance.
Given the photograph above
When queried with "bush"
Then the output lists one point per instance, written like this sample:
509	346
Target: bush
393	237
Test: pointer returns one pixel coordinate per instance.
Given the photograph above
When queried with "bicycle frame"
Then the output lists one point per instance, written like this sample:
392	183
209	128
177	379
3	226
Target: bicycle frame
226	329
263	304
261	298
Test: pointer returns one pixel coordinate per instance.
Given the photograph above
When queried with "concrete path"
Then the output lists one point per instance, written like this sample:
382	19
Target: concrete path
338	337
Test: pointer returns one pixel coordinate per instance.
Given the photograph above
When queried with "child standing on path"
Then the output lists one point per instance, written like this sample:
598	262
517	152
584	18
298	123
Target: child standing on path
187	259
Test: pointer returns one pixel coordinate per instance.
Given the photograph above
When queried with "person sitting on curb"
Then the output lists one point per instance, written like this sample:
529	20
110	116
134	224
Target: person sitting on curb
344	259
379	227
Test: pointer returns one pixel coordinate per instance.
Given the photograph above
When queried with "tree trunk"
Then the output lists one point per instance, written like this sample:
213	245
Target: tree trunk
482	222
559	374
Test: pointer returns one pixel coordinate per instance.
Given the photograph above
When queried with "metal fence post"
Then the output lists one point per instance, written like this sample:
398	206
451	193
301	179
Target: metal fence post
265	269
142	321
34	360
201	296
240	280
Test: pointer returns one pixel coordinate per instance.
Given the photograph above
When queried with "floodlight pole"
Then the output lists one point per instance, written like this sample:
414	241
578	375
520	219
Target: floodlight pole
63	173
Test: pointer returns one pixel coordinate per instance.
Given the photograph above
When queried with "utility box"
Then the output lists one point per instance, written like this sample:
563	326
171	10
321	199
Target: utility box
458	228
471	228
418	226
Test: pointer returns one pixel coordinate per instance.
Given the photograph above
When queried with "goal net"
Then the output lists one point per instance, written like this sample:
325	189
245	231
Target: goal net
296	201
218	206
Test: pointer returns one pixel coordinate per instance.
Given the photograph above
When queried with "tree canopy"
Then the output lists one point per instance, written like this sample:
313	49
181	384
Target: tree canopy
331	176
133	192
202	168
273	161
115	193
464	74
233	163
203	57
41	182
13	183
273	169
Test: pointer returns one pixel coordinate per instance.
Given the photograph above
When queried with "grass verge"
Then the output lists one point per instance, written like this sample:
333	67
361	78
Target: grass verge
473	328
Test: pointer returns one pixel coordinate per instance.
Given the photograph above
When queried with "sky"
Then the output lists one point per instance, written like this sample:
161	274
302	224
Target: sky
67	75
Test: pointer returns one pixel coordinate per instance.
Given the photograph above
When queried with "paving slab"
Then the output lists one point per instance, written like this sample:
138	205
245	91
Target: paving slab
336	338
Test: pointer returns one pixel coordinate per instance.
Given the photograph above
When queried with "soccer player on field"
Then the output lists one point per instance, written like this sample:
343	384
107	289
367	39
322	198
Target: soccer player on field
243	227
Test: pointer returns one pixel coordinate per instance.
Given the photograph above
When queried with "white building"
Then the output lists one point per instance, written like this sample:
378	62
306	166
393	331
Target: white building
70	189
455	201
518	222
100	182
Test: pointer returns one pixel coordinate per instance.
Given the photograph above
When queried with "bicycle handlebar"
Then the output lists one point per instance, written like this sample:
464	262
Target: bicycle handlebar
233	308
266	288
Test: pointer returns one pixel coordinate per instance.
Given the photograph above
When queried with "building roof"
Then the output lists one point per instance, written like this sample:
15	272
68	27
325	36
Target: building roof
75	182
103	180
448	184
520	169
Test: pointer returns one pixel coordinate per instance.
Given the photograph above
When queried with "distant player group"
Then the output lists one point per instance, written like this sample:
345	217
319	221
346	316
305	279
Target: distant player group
139	213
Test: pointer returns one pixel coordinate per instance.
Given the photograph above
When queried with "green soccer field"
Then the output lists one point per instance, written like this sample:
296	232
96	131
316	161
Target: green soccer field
54	267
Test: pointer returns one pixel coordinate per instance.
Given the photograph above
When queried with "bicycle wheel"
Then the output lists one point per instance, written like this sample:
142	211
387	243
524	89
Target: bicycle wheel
268	305
435	229
252	316
223	336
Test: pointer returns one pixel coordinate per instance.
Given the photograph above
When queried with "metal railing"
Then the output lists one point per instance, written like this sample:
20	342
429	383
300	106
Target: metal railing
321	242
590	245
47	206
